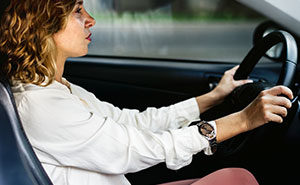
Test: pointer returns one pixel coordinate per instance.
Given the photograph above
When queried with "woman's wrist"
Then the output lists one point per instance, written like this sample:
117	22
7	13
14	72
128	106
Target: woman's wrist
230	126
219	96
208	101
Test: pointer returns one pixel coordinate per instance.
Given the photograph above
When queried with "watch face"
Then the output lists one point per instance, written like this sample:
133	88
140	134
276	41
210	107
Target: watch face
207	130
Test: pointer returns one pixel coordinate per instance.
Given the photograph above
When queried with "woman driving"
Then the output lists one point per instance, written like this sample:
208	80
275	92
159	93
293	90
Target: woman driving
80	139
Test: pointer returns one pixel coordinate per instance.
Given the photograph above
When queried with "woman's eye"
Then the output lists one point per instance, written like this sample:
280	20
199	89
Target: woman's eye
78	10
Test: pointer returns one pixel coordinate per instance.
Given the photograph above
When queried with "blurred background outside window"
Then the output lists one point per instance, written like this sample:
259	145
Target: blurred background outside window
206	30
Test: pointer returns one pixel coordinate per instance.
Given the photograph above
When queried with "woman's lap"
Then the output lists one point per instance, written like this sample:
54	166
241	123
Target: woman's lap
226	176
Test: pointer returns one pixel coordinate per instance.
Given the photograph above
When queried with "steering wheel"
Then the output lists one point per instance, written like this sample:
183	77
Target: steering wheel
245	94
290	52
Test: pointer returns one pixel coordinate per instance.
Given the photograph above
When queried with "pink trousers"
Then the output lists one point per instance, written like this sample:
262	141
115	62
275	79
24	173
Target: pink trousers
226	176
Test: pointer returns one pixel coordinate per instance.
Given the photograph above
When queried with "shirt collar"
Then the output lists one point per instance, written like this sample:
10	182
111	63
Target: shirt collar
18	86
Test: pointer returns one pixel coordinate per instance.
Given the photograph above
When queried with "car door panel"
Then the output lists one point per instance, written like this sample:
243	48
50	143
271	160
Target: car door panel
140	83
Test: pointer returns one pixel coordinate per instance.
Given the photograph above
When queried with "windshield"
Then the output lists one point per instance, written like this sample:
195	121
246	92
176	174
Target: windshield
284	12
206	30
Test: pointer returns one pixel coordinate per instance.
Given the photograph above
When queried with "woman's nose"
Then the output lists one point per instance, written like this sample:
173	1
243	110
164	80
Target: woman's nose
90	21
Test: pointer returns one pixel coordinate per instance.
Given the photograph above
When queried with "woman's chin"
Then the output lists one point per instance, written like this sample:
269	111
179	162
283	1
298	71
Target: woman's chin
81	54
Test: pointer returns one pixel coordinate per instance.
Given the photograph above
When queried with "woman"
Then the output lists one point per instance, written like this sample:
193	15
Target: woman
82	140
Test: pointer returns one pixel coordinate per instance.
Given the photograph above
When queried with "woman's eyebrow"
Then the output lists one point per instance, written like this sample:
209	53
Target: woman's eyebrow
79	2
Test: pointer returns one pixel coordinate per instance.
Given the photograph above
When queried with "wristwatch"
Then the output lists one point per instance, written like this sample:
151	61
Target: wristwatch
209	132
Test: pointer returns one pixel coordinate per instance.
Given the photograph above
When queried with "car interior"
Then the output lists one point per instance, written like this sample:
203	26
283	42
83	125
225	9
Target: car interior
269	152
139	83
126	83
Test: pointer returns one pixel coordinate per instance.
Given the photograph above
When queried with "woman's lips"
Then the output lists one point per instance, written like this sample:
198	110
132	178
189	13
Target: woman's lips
89	37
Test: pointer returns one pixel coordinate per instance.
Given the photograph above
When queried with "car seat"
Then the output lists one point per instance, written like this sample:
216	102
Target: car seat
18	163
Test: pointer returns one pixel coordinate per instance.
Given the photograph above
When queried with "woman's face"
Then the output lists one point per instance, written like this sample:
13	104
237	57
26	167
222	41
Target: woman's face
74	39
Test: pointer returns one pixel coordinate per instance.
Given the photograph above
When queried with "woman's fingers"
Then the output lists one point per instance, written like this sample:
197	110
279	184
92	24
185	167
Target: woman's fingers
275	104
279	110
275	118
280	90
228	84
238	82
282	101
275	100
233	70
270	106
242	82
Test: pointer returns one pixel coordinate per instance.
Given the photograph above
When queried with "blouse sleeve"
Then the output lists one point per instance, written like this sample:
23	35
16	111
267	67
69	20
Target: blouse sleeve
175	116
65	133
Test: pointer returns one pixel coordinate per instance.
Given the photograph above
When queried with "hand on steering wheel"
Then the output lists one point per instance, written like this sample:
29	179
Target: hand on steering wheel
268	106
227	84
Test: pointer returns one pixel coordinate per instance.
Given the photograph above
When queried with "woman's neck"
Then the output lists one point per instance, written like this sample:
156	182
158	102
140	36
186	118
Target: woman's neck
60	65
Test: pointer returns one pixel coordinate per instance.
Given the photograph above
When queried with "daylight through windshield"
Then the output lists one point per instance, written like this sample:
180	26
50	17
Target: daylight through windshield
207	30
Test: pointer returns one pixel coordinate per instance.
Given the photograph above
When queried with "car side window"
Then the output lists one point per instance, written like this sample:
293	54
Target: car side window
206	30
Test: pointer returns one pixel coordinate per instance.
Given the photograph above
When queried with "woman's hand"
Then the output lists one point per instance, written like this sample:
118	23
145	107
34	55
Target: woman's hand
269	106
227	84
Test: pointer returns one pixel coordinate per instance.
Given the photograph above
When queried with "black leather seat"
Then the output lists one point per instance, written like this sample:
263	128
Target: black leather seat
18	162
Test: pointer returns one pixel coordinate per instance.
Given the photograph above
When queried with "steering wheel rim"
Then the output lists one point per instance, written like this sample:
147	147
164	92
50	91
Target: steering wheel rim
290	51
288	70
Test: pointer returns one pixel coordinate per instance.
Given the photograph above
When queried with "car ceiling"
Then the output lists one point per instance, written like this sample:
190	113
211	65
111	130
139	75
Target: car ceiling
284	12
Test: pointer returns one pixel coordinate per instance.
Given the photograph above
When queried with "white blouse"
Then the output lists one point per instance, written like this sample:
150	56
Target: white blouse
81	140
